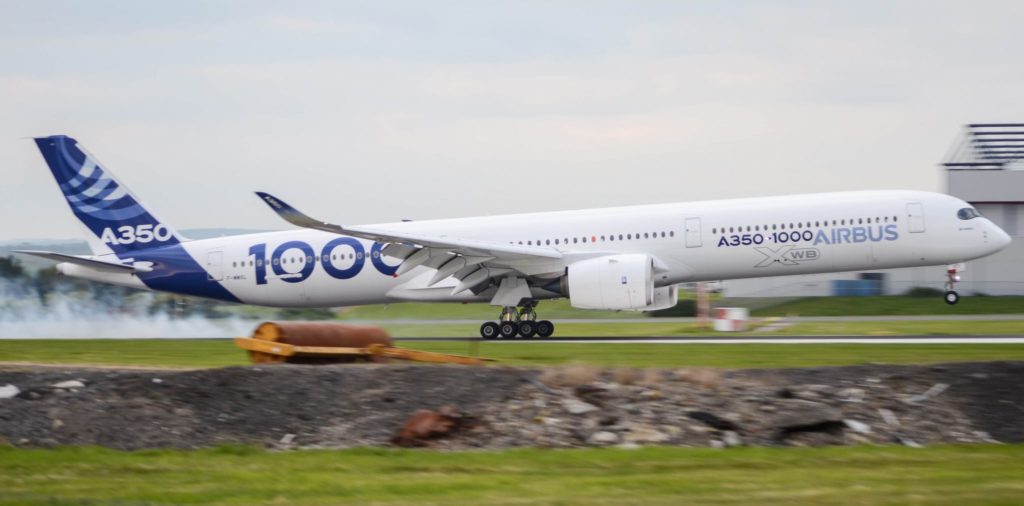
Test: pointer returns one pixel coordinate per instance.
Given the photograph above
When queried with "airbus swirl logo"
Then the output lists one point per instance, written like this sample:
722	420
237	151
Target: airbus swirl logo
91	192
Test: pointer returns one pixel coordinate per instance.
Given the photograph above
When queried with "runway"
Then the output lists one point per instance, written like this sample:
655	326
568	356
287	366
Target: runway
687	319
741	340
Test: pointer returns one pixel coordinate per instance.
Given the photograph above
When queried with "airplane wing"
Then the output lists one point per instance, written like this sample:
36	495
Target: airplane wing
461	258
91	263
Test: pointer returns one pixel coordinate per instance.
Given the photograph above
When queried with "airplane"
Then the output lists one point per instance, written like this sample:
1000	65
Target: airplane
622	258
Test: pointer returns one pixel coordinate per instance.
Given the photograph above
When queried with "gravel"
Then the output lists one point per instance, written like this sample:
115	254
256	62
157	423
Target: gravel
289	406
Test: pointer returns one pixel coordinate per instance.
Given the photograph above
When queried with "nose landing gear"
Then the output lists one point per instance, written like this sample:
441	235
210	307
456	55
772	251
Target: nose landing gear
514	323
952	277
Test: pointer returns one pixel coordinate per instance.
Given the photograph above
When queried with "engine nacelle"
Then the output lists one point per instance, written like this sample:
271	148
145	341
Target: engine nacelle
612	282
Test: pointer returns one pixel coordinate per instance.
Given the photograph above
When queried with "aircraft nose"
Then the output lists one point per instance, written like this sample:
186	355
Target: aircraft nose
1000	239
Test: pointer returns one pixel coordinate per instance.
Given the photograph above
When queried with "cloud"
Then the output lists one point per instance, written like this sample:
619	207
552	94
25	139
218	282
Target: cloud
372	113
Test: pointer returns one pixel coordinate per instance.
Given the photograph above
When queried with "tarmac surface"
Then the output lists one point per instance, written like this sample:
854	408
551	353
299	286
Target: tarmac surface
787	319
775	339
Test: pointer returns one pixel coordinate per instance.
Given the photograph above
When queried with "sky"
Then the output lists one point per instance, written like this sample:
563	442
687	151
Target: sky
368	112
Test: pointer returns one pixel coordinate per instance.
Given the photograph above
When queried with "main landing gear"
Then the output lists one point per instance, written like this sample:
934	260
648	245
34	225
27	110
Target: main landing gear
951	278
522	323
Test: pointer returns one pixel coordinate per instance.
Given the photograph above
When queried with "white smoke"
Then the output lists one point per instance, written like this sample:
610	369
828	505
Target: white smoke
26	314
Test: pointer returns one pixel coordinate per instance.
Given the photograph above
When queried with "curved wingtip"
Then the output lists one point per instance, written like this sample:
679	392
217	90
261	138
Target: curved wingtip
275	203
285	211
294	216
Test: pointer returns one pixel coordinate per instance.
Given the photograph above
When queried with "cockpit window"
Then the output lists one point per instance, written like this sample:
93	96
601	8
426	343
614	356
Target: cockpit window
968	213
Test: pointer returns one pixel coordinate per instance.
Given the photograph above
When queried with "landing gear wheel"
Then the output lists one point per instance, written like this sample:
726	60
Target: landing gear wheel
527	329
509	329
952	297
545	328
489	330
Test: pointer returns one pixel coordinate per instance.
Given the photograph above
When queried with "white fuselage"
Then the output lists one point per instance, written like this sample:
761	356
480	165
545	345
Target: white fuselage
697	241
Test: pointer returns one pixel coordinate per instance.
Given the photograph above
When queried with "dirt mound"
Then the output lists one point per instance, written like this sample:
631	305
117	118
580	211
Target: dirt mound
342	406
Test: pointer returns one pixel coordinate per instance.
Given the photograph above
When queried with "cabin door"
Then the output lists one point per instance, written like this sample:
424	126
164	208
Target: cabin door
214	267
915	217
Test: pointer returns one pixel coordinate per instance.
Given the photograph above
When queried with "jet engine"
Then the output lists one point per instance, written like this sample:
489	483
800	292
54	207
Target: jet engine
613	282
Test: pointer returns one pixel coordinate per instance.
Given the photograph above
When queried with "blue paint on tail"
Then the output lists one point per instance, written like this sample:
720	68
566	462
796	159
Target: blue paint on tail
118	221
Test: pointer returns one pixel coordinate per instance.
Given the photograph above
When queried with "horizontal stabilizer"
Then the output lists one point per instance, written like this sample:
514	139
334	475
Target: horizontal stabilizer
101	265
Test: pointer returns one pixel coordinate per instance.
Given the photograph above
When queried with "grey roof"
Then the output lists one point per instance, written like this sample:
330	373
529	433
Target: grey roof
986	146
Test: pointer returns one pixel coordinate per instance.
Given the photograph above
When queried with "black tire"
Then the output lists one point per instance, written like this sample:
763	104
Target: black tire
545	328
952	297
489	330
509	329
528	329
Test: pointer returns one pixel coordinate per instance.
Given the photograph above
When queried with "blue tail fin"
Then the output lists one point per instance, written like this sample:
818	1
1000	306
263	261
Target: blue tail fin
116	220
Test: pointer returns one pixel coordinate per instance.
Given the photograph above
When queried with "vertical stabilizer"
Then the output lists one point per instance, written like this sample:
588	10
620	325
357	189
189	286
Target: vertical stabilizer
116	220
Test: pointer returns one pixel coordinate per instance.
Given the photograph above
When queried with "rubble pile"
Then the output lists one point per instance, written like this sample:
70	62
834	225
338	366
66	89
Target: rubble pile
452	407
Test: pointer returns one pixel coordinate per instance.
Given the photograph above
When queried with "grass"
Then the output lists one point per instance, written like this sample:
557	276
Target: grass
219	353
894	306
952	475
895	328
